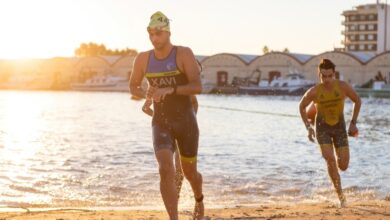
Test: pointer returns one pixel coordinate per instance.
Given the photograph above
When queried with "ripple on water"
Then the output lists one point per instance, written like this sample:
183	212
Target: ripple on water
96	149
27	189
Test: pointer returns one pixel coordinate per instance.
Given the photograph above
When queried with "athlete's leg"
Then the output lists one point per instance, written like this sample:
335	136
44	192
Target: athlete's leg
167	184
163	148
179	172
195	179
187	135
328	154
340	140
342	157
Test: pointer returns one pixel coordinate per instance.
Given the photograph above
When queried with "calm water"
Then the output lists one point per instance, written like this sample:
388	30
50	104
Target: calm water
76	149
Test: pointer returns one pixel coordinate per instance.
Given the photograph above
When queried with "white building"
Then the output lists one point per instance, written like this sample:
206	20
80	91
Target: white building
221	69
367	28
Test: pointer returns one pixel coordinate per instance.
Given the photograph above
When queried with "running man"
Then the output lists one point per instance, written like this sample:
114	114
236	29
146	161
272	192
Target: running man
146	108
173	76
330	130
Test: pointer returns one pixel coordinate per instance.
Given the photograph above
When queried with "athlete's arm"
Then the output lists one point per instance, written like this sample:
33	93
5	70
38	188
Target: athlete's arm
188	64
149	101
351	94
137	75
305	101
146	107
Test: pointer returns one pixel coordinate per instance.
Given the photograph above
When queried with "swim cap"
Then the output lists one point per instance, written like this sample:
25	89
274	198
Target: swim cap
159	21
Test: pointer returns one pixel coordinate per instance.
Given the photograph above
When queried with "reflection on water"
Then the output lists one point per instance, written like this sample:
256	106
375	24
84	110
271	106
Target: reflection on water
95	149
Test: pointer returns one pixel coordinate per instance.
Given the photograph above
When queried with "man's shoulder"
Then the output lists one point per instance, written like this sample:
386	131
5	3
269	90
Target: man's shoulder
315	87
343	84
183	50
184	54
312	91
142	56
180	47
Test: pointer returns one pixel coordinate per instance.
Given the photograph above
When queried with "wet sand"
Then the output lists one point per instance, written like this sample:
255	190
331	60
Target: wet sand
361	210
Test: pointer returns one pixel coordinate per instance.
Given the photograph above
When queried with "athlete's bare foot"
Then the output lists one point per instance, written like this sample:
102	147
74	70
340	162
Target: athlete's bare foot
343	201
199	209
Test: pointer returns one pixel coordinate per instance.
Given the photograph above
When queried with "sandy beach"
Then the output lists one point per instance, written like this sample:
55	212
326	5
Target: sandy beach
363	210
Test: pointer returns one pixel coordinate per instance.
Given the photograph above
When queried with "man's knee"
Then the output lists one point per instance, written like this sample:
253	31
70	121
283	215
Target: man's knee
343	158
331	163
190	173
329	158
166	170
343	166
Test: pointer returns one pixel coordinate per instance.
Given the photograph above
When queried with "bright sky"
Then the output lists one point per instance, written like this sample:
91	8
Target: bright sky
49	28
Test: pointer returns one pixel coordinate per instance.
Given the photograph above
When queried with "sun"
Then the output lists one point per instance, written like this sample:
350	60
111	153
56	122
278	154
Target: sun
35	29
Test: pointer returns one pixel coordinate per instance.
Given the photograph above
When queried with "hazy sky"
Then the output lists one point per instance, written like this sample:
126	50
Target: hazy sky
48	28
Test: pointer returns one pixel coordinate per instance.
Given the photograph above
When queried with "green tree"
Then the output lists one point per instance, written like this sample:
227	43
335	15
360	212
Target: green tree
94	49
265	50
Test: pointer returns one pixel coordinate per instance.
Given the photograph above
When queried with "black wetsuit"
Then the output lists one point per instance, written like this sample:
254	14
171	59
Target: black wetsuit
174	117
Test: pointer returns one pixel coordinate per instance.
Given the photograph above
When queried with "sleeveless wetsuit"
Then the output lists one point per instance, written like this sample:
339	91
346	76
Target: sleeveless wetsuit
174	117
329	121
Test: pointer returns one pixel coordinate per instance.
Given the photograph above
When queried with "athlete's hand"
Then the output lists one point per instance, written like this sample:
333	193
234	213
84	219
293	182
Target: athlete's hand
147	110
160	93
311	134
146	107
150	91
352	130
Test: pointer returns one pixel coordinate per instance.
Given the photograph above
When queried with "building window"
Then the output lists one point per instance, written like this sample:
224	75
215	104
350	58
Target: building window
370	37
371	27
351	47
362	47
362	27
362	17
361	37
352	27
352	37
371	47
352	18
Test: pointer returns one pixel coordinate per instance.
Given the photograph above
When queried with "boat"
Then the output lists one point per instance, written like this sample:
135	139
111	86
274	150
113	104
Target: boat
379	89
226	90
107	83
293	84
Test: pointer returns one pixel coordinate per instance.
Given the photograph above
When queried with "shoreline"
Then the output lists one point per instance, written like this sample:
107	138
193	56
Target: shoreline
374	209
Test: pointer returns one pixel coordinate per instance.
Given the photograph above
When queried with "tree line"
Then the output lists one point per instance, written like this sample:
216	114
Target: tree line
94	49
267	50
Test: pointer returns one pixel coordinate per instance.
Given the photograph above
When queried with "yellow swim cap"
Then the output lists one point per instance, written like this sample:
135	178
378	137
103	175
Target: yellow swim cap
159	21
